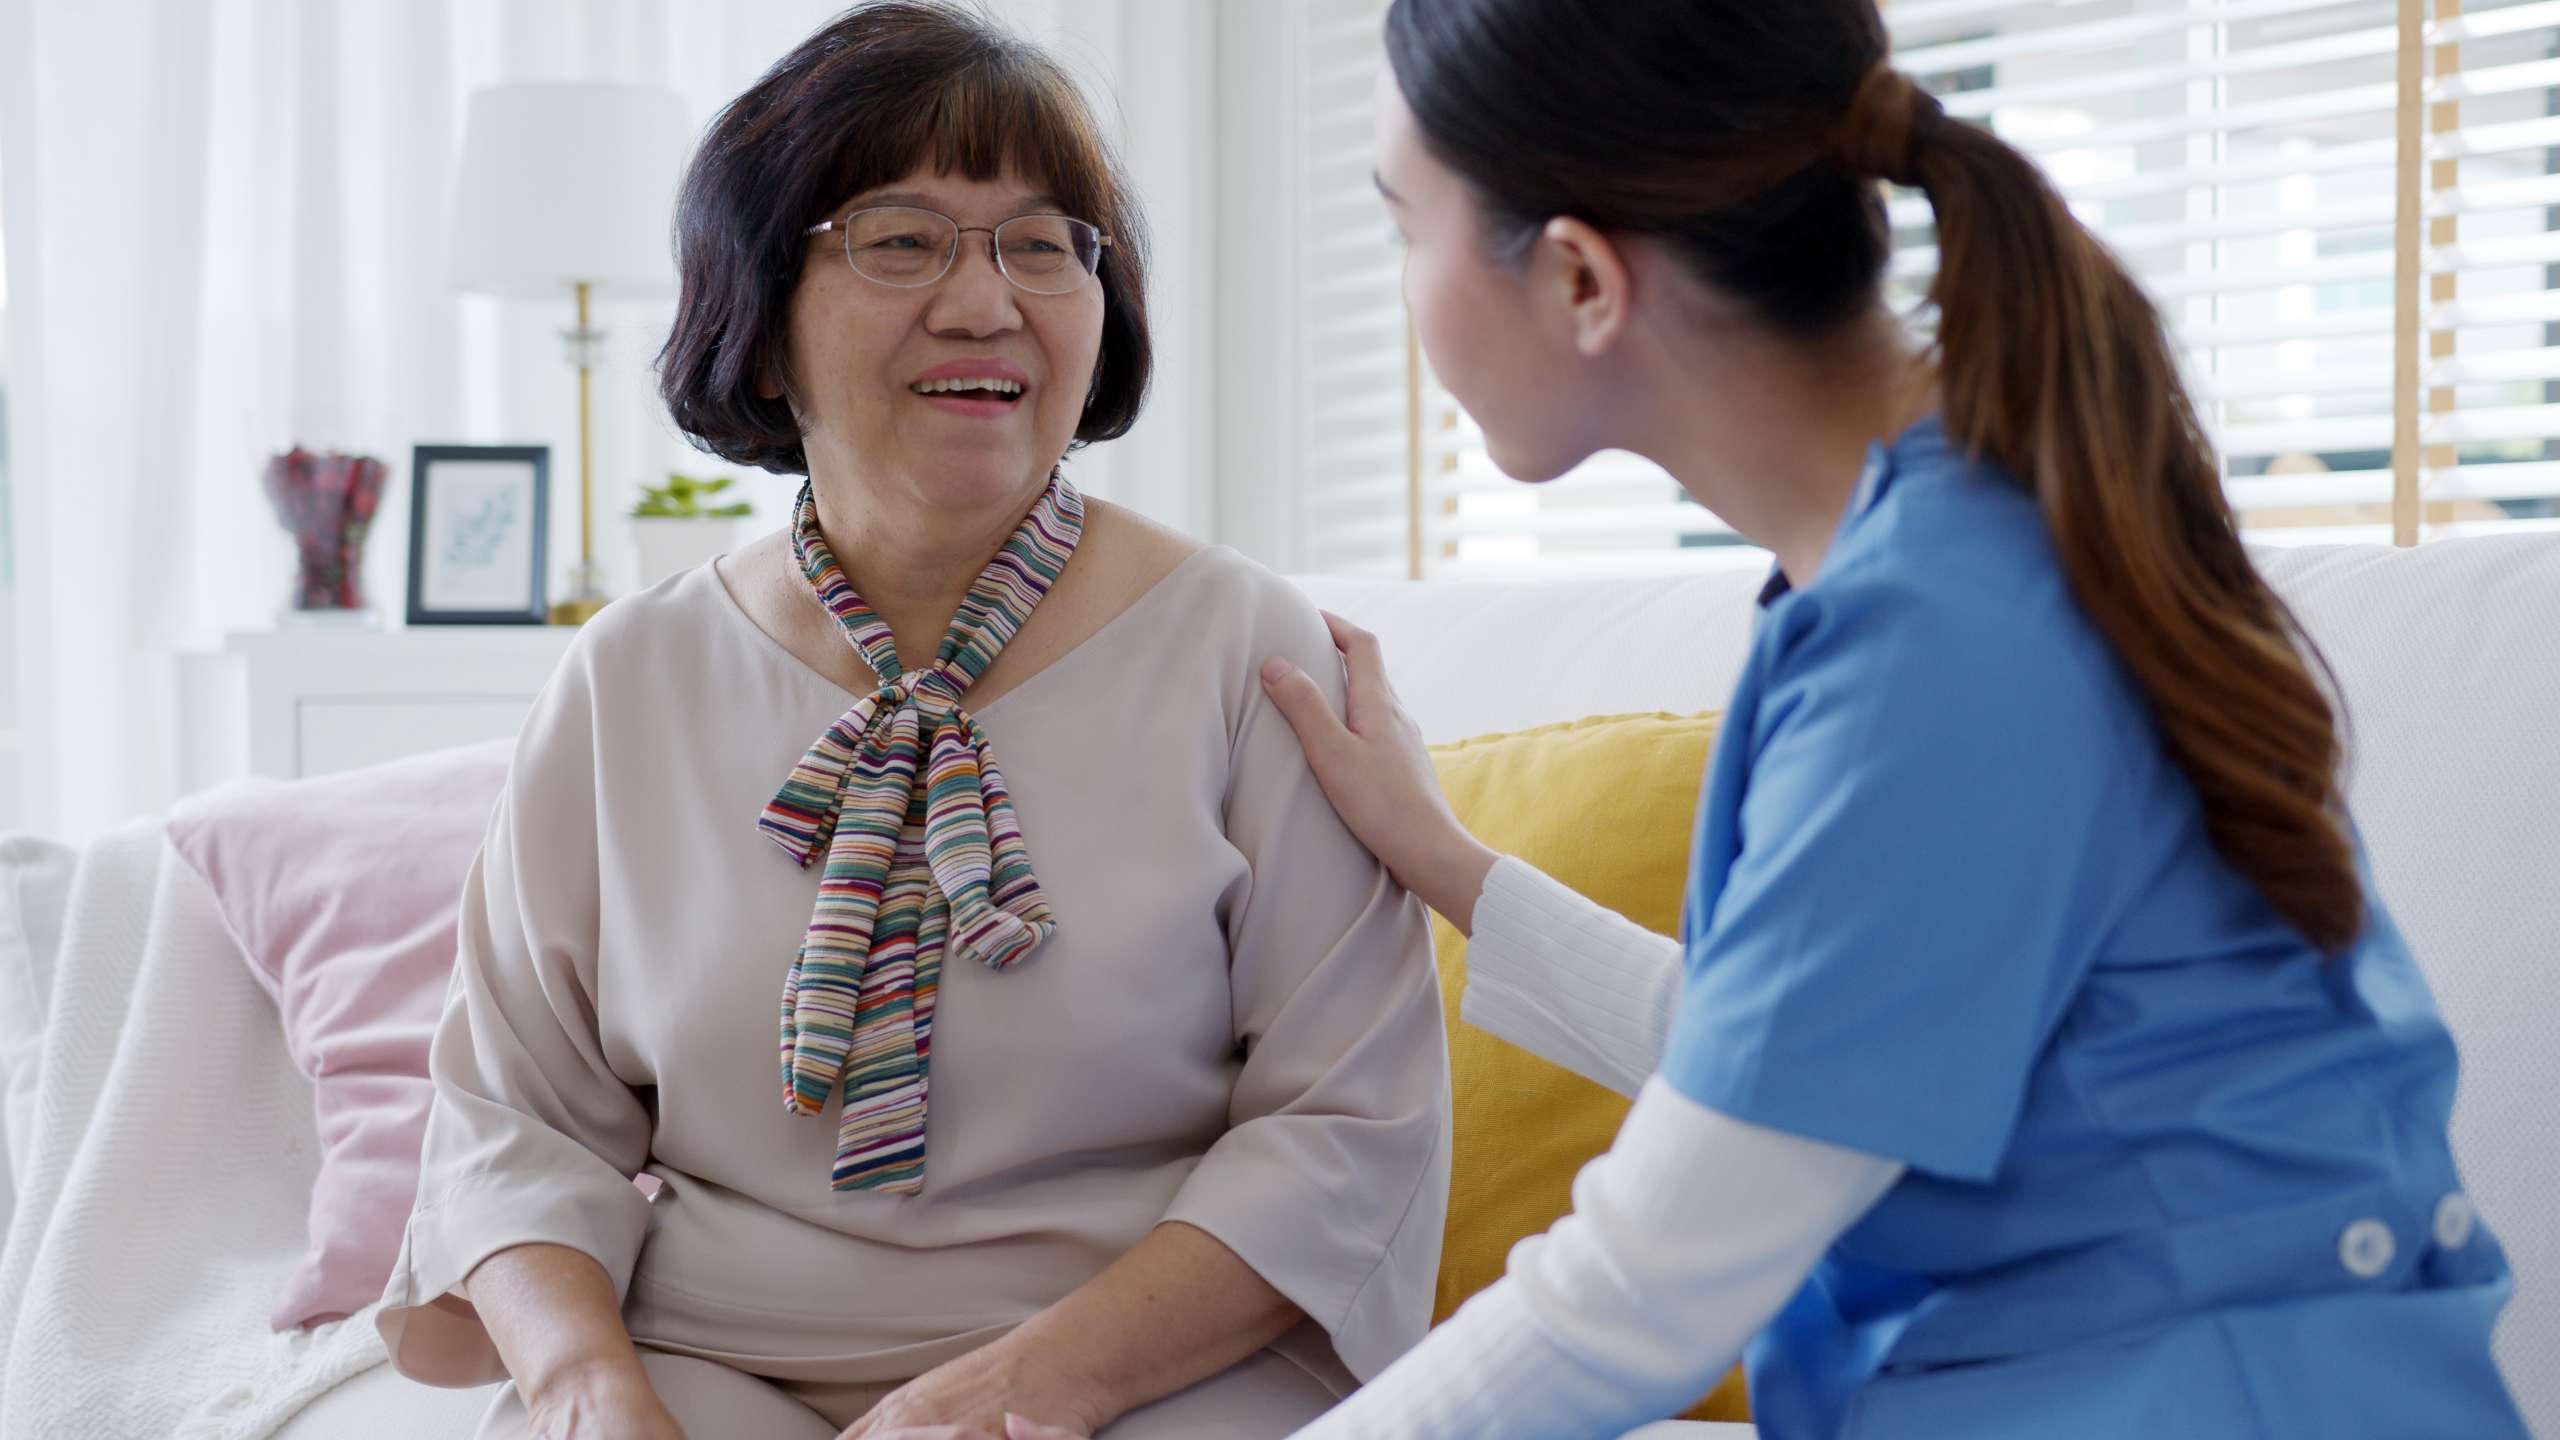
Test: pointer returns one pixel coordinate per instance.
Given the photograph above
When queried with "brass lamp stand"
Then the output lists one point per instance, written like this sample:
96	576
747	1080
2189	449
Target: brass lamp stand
586	590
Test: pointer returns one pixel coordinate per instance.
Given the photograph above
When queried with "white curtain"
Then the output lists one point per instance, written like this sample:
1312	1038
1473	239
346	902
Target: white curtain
227	224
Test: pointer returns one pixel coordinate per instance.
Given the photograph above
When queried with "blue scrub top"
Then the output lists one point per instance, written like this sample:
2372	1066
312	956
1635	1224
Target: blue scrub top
2171	1171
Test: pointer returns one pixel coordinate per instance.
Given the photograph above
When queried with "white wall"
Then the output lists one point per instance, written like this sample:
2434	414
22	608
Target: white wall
1259	336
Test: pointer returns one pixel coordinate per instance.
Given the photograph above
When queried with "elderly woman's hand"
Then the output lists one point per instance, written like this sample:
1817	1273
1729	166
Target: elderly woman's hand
982	1392
1377	772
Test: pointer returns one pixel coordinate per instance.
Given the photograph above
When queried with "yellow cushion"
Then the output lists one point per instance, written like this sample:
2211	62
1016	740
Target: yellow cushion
1604	805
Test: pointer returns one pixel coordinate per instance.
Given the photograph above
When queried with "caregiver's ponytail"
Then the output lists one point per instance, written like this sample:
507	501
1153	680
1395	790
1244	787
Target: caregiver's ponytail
2052	362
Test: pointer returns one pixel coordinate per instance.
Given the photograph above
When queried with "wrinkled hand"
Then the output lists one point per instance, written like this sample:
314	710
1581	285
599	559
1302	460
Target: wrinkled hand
1377	772
977	1397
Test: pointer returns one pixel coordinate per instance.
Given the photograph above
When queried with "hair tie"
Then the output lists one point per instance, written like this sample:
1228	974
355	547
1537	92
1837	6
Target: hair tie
1887	123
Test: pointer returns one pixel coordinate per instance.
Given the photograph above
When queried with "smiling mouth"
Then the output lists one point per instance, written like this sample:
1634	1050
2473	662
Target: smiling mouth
975	392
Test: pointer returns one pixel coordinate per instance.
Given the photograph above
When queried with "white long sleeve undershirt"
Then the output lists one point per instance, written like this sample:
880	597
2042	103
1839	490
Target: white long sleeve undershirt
1684	1239
1568	980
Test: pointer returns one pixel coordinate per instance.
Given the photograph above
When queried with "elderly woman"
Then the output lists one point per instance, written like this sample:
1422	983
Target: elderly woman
1111	1090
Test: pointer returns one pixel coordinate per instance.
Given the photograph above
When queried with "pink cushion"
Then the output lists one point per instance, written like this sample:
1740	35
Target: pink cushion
343	891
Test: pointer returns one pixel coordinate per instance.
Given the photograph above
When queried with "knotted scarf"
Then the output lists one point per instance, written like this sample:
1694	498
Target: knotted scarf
923	854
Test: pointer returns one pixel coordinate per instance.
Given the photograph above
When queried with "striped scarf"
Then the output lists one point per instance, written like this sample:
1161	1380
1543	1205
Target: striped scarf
922	851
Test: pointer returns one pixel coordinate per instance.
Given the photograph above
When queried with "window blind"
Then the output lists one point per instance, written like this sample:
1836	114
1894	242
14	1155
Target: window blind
2363	378
2240	159
2243	159
2488	401
1355	367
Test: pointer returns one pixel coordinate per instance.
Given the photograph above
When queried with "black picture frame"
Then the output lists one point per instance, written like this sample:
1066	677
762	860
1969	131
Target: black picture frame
441	594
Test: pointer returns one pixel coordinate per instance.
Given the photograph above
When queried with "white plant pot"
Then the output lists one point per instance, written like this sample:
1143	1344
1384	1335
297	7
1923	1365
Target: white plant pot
671	547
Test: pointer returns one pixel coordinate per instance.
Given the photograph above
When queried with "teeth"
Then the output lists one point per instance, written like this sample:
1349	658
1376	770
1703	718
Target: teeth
949	387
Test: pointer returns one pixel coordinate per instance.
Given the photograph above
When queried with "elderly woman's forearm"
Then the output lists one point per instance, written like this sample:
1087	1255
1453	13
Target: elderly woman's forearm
551	1312
1177	1309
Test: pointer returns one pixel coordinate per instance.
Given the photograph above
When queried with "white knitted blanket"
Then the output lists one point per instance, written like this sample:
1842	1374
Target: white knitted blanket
166	1164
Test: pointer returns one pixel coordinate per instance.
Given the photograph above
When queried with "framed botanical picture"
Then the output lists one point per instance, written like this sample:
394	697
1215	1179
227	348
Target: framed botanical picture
476	534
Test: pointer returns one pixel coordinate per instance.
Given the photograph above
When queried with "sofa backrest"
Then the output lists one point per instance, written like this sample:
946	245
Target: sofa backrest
2448	657
1476	657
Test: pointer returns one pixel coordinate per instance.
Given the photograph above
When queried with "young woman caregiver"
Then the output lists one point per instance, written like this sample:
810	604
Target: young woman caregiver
2036	1060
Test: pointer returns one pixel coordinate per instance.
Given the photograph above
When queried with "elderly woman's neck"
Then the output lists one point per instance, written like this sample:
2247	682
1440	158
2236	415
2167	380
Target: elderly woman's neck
913	563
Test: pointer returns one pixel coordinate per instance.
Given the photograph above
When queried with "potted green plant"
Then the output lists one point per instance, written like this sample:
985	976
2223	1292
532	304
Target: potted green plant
682	524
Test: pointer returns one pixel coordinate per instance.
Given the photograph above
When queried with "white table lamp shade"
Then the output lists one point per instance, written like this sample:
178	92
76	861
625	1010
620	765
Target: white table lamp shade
568	182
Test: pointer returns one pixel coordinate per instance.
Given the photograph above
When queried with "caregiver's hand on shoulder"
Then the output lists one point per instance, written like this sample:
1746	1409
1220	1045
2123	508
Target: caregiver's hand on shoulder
1376	771
975	1396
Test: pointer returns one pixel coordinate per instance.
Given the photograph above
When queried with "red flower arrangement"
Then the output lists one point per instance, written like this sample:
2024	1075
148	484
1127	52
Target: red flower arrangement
326	503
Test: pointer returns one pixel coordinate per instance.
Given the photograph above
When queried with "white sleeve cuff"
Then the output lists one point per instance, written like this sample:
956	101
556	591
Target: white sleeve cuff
1567	980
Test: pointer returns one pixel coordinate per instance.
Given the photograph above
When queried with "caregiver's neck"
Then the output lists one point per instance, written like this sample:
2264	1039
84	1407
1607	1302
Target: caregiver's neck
1770	432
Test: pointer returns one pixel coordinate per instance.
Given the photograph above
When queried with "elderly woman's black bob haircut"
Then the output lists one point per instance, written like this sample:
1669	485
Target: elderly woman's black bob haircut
879	91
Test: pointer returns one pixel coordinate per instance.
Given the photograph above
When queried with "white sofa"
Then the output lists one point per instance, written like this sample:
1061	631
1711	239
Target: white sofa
2449	658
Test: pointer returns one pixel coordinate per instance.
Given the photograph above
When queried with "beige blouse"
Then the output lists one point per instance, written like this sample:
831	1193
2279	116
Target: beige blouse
1236	1024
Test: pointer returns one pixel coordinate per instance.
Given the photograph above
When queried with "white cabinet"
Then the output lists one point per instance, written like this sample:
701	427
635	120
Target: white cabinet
335	733
311	702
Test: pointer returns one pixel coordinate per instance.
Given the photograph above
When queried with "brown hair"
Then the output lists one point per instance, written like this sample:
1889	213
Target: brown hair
1749	136
876	92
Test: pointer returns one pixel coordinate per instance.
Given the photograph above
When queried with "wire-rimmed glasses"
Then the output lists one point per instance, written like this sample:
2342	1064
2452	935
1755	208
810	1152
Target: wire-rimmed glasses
908	247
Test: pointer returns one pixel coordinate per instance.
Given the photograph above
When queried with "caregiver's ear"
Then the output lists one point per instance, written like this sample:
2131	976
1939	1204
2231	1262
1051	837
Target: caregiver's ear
1590	279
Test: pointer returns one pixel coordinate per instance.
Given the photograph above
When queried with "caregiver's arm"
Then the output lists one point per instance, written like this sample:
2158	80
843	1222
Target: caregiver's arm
1567	980
1685	1238
1549	971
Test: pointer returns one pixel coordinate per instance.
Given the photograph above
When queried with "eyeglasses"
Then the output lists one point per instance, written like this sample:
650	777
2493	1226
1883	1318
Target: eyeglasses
905	247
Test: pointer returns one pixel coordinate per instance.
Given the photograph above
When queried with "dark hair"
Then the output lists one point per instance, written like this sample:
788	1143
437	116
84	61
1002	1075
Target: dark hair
876	92
1749	137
